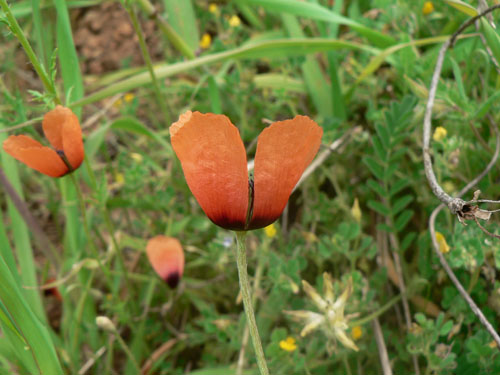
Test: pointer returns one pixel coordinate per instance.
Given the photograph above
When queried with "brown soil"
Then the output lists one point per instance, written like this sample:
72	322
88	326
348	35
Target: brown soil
106	41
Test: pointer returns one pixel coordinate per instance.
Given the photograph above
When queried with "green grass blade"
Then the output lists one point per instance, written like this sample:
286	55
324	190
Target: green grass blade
68	59
377	60
38	29
320	13
213	92
27	324
462	7
182	18
318	88
21	237
280	48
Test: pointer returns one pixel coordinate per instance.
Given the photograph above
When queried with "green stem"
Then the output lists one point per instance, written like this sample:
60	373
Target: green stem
147	59
18	32
128	352
241	261
377	313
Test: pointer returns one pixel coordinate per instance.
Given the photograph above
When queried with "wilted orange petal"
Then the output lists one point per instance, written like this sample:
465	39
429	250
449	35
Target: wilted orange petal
215	166
34	155
167	258
284	150
62	129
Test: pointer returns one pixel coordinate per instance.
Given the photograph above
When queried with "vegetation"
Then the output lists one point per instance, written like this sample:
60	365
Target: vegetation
346	281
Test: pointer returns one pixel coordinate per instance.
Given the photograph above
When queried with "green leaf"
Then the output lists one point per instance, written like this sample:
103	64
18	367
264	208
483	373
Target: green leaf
374	167
463	7
180	15
213	92
379	148
446	328
407	240
485	107
401	203
379	207
389	171
492	38
458	80
133	125
403	220
383	135
251	50
318	12
398	186
376	187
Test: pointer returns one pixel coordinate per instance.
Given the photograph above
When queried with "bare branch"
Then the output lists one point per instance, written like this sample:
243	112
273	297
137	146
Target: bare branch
440	255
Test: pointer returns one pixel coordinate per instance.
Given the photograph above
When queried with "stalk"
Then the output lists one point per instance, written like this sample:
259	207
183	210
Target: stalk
241	261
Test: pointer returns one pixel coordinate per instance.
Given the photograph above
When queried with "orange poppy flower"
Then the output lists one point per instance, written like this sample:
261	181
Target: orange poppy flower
62	128
167	258
214	162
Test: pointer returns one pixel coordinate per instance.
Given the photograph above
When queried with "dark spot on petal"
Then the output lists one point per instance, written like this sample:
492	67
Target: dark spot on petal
173	280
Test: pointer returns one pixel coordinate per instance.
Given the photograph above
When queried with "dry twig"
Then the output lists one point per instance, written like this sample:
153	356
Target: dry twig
465	210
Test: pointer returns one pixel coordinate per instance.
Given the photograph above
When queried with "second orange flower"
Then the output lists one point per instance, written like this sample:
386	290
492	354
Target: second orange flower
62	128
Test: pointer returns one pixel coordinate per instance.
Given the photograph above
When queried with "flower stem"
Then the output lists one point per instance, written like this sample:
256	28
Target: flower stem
241	261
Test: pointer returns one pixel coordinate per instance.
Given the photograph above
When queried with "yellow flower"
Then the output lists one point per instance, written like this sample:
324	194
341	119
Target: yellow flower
356	332
206	41
270	230
119	178
439	134
428	8
356	211
443	246
288	345
137	157
212	8
234	21
128	97
118	103
449	187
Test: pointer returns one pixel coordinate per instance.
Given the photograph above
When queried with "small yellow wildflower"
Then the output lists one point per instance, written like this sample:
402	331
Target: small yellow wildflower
270	230
356	332
234	21
288	345
206	41
118	104
137	157
449	187
128	97
443	246
439	134
213	8
119	178
428	8
356	211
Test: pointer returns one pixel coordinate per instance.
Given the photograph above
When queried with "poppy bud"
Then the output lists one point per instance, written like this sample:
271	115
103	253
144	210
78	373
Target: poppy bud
167	258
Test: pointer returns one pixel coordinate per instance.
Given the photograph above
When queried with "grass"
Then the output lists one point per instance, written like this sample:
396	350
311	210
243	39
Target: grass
351	65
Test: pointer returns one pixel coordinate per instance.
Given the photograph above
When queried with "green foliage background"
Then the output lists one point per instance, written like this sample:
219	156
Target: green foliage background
361	69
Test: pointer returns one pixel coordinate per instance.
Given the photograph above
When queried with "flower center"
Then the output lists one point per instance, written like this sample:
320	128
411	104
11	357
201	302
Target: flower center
250	201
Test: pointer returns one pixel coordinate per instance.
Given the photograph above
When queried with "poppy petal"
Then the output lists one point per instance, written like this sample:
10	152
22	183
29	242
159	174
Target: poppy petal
34	155
214	162
284	150
62	129
167	258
